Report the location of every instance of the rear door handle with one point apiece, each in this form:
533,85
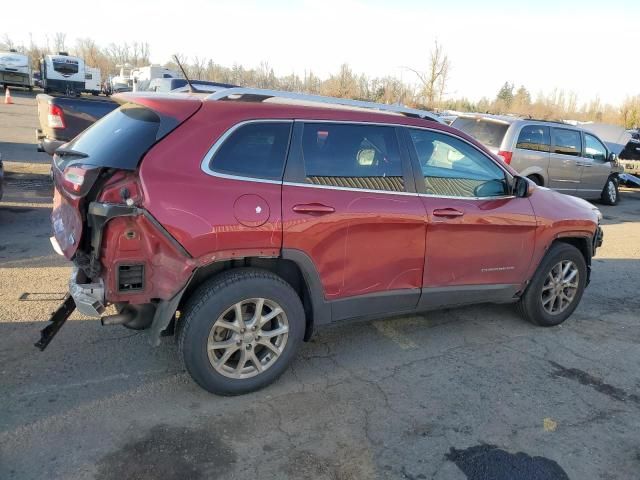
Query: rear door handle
447,212
313,209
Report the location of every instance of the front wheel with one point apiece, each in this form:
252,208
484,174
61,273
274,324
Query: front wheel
556,288
240,331
610,194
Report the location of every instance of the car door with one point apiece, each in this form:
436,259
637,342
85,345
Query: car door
480,239
595,167
565,164
349,205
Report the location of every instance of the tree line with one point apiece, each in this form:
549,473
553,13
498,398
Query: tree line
429,91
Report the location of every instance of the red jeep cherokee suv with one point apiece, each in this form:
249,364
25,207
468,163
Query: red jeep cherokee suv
244,219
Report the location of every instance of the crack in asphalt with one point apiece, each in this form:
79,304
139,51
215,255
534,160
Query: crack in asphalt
585,378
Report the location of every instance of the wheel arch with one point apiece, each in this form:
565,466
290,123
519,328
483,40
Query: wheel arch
293,266
535,171
583,245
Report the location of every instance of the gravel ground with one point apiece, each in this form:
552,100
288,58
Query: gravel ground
472,393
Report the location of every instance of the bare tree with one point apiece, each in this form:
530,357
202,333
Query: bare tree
434,80
59,41
7,42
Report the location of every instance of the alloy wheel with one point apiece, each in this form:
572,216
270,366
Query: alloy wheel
560,287
248,338
611,191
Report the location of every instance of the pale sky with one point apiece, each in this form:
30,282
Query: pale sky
586,46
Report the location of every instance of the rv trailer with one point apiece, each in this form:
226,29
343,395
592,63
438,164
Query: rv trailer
63,73
15,70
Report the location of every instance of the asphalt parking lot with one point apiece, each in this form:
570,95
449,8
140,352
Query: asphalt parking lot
471,393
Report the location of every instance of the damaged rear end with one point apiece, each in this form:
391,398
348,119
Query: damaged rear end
121,254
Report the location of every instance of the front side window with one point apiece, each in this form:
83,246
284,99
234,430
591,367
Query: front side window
352,156
534,137
567,142
453,168
256,150
593,148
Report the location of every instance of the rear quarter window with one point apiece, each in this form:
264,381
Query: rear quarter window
254,150
487,132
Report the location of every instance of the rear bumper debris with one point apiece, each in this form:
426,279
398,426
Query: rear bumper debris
88,297
56,322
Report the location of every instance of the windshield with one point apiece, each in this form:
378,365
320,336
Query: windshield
487,132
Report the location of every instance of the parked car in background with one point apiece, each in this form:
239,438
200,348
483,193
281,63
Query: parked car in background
62,118
259,215
551,154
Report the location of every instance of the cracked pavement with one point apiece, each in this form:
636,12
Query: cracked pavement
382,399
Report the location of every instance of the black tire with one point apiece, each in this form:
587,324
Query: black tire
535,179
530,304
210,301
610,194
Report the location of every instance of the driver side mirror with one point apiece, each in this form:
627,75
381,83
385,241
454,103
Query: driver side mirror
521,187
613,158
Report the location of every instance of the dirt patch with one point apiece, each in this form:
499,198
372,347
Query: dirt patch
488,462
169,453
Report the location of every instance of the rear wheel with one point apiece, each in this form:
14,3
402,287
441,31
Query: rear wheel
556,288
610,194
535,179
241,330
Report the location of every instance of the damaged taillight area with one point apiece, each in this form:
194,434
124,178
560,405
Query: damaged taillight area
122,187
66,221
140,263
78,179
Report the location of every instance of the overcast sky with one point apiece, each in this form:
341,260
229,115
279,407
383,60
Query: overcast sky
589,47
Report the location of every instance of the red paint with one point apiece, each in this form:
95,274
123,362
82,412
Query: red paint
486,241
360,242
372,242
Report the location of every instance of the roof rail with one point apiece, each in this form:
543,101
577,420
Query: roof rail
258,95
542,120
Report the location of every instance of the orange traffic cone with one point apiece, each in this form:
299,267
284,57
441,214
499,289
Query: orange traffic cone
7,97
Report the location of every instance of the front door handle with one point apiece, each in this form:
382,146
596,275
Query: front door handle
447,212
313,209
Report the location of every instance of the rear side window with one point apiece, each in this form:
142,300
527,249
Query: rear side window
256,150
352,156
487,132
121,138
534,137
567,142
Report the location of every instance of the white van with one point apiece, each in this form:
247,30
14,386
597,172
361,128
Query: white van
15,70
63,74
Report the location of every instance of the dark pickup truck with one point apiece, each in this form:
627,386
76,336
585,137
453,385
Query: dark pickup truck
63,118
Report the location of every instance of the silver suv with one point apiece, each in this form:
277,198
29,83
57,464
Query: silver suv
552,154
